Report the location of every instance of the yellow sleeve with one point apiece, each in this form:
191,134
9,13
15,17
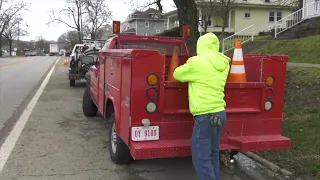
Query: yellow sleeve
186,72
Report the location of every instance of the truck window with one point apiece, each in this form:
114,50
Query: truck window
163,48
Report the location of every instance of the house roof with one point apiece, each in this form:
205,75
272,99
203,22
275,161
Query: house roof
143,14
248,3
131,30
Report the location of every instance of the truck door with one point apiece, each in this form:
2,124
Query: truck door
102,89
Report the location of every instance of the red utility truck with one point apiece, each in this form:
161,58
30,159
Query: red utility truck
149,115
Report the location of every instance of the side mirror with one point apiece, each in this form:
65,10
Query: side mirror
87,60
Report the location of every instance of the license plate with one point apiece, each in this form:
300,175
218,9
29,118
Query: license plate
145,133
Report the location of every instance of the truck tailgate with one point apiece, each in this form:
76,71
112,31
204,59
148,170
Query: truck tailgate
240,98
244,97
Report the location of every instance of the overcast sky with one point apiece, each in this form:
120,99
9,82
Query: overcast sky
38,15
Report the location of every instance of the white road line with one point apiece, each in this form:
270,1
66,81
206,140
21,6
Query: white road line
12,139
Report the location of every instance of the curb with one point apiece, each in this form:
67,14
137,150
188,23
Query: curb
268,164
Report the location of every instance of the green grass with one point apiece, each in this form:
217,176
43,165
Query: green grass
304,50
301,123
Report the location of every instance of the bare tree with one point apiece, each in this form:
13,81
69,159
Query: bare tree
7,13
97,16
187,15
208,9
13,31
226,6
74,11
69,38
41,44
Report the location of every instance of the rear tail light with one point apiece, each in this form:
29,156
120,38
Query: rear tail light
270,80
152,79
152,92
268,105
269,92
151,107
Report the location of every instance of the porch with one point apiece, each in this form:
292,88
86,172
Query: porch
214,21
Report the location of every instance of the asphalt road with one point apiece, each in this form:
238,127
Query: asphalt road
18,77
59,143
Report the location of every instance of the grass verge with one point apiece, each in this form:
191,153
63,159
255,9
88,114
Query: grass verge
301,124
304,50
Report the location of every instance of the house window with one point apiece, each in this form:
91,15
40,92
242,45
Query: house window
275,16
146,23
145,34
165,24
128,27
158,30
247,15
176,23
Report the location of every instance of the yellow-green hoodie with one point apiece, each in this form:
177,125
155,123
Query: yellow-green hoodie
207,74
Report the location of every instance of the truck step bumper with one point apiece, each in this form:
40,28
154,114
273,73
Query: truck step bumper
260,143
182,148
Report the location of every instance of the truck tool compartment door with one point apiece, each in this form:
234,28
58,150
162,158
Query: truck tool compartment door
93,72
125,98
101,84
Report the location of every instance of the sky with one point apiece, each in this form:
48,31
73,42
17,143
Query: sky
37,16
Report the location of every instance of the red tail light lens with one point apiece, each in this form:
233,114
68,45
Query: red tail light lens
152,93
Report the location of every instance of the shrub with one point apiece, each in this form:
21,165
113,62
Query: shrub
174,32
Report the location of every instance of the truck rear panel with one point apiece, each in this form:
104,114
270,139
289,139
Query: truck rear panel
250,127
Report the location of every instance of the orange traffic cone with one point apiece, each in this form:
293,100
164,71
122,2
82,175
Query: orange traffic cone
66,62
173,65
237,71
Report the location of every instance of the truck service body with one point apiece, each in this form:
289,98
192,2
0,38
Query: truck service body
150,115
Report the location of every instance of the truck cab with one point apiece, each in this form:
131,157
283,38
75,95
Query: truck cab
78,68
149,115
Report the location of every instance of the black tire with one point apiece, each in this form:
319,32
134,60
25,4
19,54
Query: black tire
120,154
72,82
88,107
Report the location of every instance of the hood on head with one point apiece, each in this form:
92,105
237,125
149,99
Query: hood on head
208,42
208,45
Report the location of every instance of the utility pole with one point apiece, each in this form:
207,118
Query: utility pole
18,35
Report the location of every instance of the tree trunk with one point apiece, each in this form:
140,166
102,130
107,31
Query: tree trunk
225,20
188,15
1,48
10,47
93,35
79,35
300,4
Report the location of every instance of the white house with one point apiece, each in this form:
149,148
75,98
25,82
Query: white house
261,13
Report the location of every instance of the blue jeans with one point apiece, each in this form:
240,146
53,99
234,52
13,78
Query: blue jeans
205,144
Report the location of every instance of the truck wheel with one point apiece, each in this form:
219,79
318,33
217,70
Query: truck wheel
72,82
119,151
88,107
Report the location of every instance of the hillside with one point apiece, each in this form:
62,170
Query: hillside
304,50
301,124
